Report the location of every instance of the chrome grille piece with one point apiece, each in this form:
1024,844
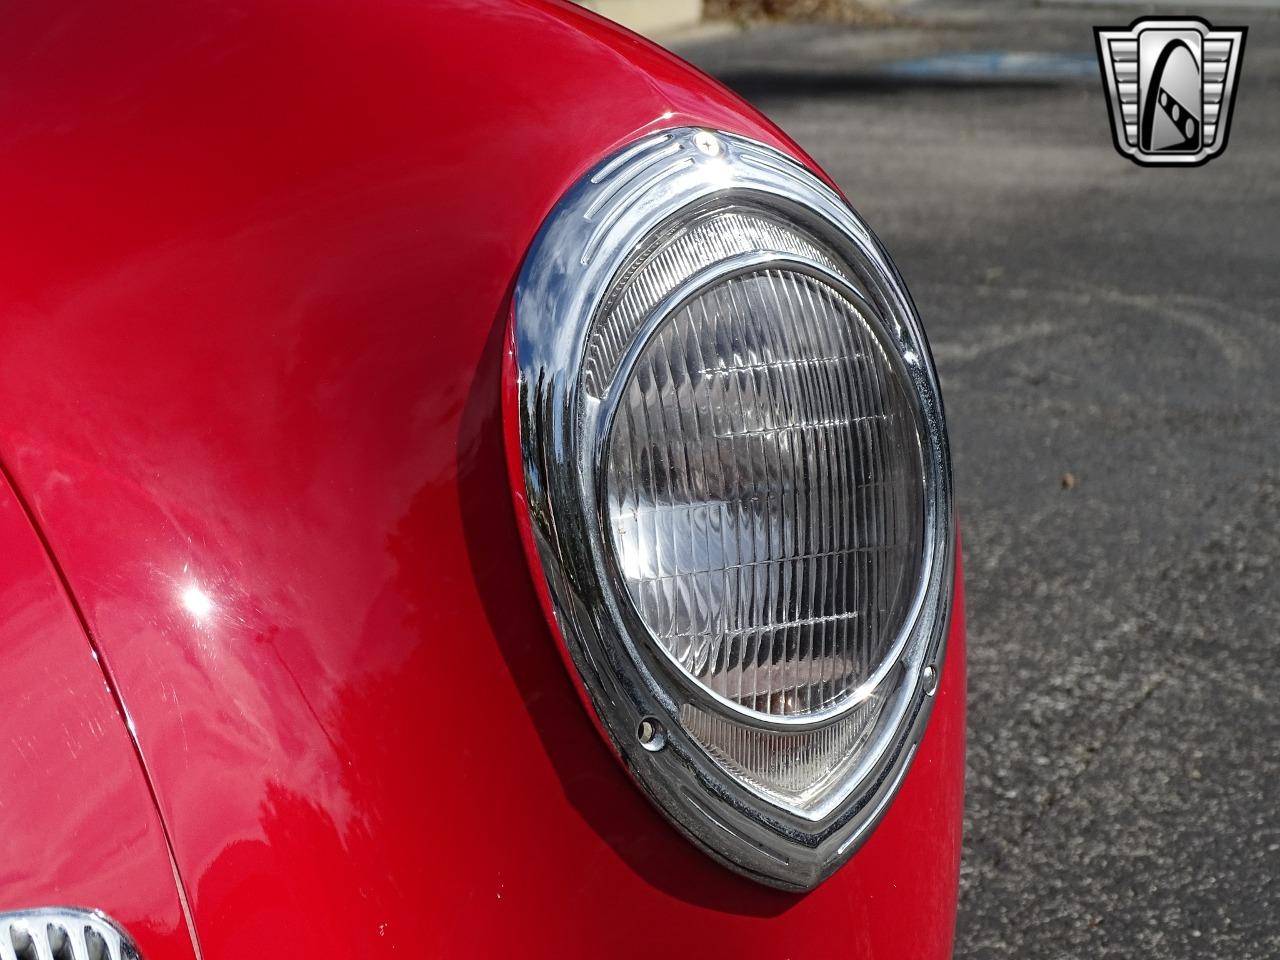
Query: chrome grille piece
63,933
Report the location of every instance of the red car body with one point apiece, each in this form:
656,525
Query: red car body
278,680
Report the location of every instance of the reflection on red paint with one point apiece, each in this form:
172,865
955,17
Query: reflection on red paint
77,825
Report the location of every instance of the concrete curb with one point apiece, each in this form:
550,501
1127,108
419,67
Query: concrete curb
649,17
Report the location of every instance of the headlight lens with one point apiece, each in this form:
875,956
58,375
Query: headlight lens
738,489
765,492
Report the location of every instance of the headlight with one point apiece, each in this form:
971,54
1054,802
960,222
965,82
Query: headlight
737,479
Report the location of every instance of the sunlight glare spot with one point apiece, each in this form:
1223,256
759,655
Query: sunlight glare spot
197,602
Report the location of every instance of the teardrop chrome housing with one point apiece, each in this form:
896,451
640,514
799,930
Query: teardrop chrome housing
771,728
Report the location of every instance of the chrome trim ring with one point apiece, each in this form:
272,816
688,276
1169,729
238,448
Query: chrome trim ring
582,249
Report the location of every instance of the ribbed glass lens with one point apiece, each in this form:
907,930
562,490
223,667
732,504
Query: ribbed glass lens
765,493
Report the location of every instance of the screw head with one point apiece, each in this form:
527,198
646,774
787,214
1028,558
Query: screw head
707,143
930,680
651,735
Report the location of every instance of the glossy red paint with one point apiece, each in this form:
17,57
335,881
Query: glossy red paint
77,824
255,284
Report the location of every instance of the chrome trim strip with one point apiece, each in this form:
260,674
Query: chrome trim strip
642,146
572,264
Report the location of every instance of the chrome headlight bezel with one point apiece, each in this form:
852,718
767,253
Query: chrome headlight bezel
635,691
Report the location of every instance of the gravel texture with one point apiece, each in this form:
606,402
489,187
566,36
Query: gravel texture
793,11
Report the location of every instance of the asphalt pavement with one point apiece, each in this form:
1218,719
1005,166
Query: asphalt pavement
1108,339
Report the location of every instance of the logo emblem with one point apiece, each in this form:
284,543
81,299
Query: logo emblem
1171,83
